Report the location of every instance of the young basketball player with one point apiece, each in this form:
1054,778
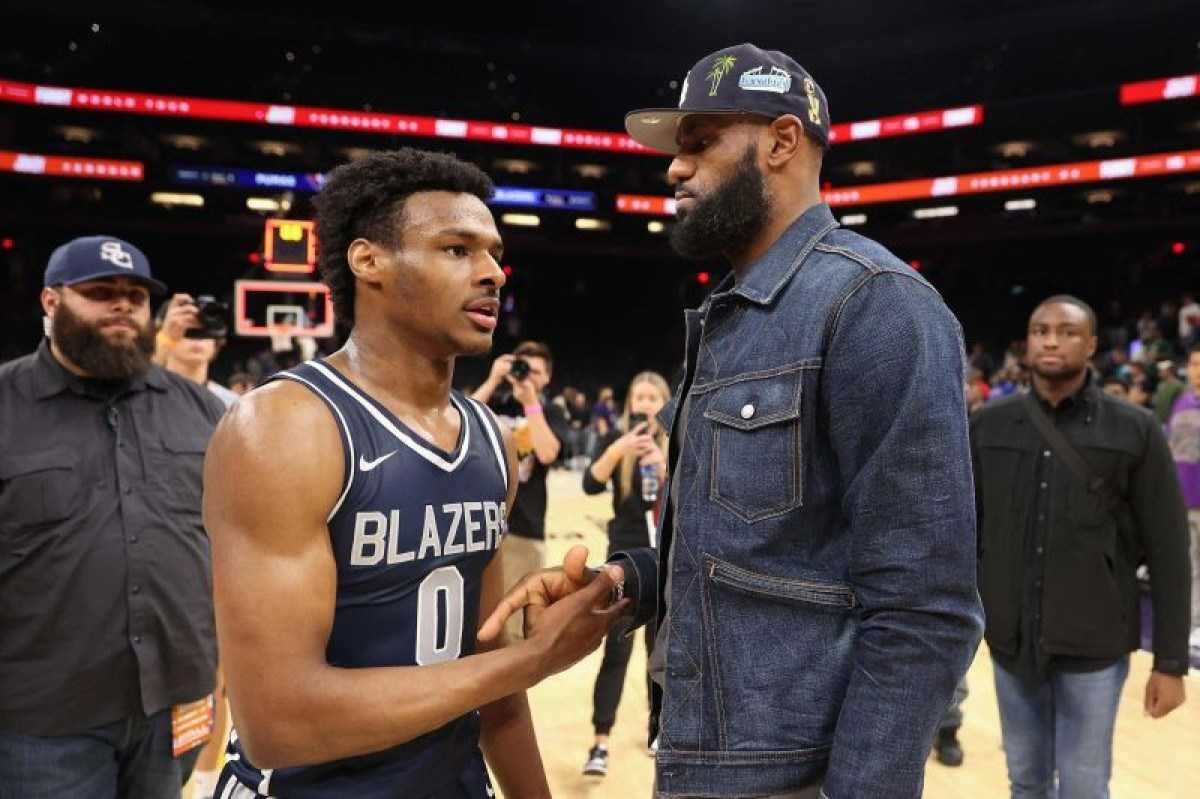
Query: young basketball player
355,506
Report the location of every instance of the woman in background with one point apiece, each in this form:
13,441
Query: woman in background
633,459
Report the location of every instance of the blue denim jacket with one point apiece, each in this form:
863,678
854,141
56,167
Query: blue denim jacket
823,601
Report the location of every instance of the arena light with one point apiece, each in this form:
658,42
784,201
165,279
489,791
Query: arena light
175,198
71,167
590,223
654,226
935,212
263,204
521,220
854,219
286,115
1160,89
1025,204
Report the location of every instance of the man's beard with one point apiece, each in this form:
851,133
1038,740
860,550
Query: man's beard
87,348
729,218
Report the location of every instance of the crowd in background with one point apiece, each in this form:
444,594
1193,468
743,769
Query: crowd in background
1140,357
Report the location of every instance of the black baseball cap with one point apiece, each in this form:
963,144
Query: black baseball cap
95,257
743,79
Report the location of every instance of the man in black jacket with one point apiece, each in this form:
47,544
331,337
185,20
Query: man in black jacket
1065,517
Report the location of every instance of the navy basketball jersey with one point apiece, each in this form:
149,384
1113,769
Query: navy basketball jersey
412,532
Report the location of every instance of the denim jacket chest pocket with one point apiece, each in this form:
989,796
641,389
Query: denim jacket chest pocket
755,423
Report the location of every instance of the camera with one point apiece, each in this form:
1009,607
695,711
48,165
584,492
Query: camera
213,316
520,369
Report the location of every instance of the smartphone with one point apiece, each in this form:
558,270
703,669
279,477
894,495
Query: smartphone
635,419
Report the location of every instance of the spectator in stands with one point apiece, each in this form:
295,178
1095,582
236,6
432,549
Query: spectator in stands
1007,381
981,361
1071,484
604,413
620,456
1189,321
1183,433
1168,323
105,595
1014,356
1167,390
1116,386
1155,348
580,414
539,430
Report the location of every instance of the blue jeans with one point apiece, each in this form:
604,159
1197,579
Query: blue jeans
1062,727
129,759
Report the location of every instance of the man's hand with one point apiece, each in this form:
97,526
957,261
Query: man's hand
537,591
573,626
1164,693
500,369
182,313
523,391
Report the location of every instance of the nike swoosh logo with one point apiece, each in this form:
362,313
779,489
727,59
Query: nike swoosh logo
365,465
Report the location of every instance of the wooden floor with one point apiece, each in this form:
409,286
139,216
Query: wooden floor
1153,759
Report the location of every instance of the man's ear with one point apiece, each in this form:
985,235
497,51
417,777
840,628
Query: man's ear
364,258
51,299
785,139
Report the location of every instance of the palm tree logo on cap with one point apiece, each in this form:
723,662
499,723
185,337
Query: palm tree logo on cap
720,68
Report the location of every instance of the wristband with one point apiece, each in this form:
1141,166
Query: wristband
533,410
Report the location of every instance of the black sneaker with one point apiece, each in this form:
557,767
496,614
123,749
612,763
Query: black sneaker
597,762
947,749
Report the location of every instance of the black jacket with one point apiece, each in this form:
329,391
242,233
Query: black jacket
1035,514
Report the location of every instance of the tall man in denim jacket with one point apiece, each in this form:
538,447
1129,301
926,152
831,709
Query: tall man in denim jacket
816,603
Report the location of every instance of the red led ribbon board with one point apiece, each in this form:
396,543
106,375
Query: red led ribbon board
1142,166
314,117
1080,172
71,167
907,124
429,127
1160,90
290,245
262,307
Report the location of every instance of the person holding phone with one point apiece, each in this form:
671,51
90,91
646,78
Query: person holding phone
632,458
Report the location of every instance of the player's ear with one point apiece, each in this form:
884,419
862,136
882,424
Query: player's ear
364,259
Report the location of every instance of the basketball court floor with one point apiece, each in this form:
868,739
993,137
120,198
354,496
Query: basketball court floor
1152,759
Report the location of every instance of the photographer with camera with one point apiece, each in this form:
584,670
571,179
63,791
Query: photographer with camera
515,388
108,655
190,335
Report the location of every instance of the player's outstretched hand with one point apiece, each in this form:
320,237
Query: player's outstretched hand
538,590
575,625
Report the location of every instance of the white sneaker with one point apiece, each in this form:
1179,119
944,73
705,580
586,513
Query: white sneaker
597,762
